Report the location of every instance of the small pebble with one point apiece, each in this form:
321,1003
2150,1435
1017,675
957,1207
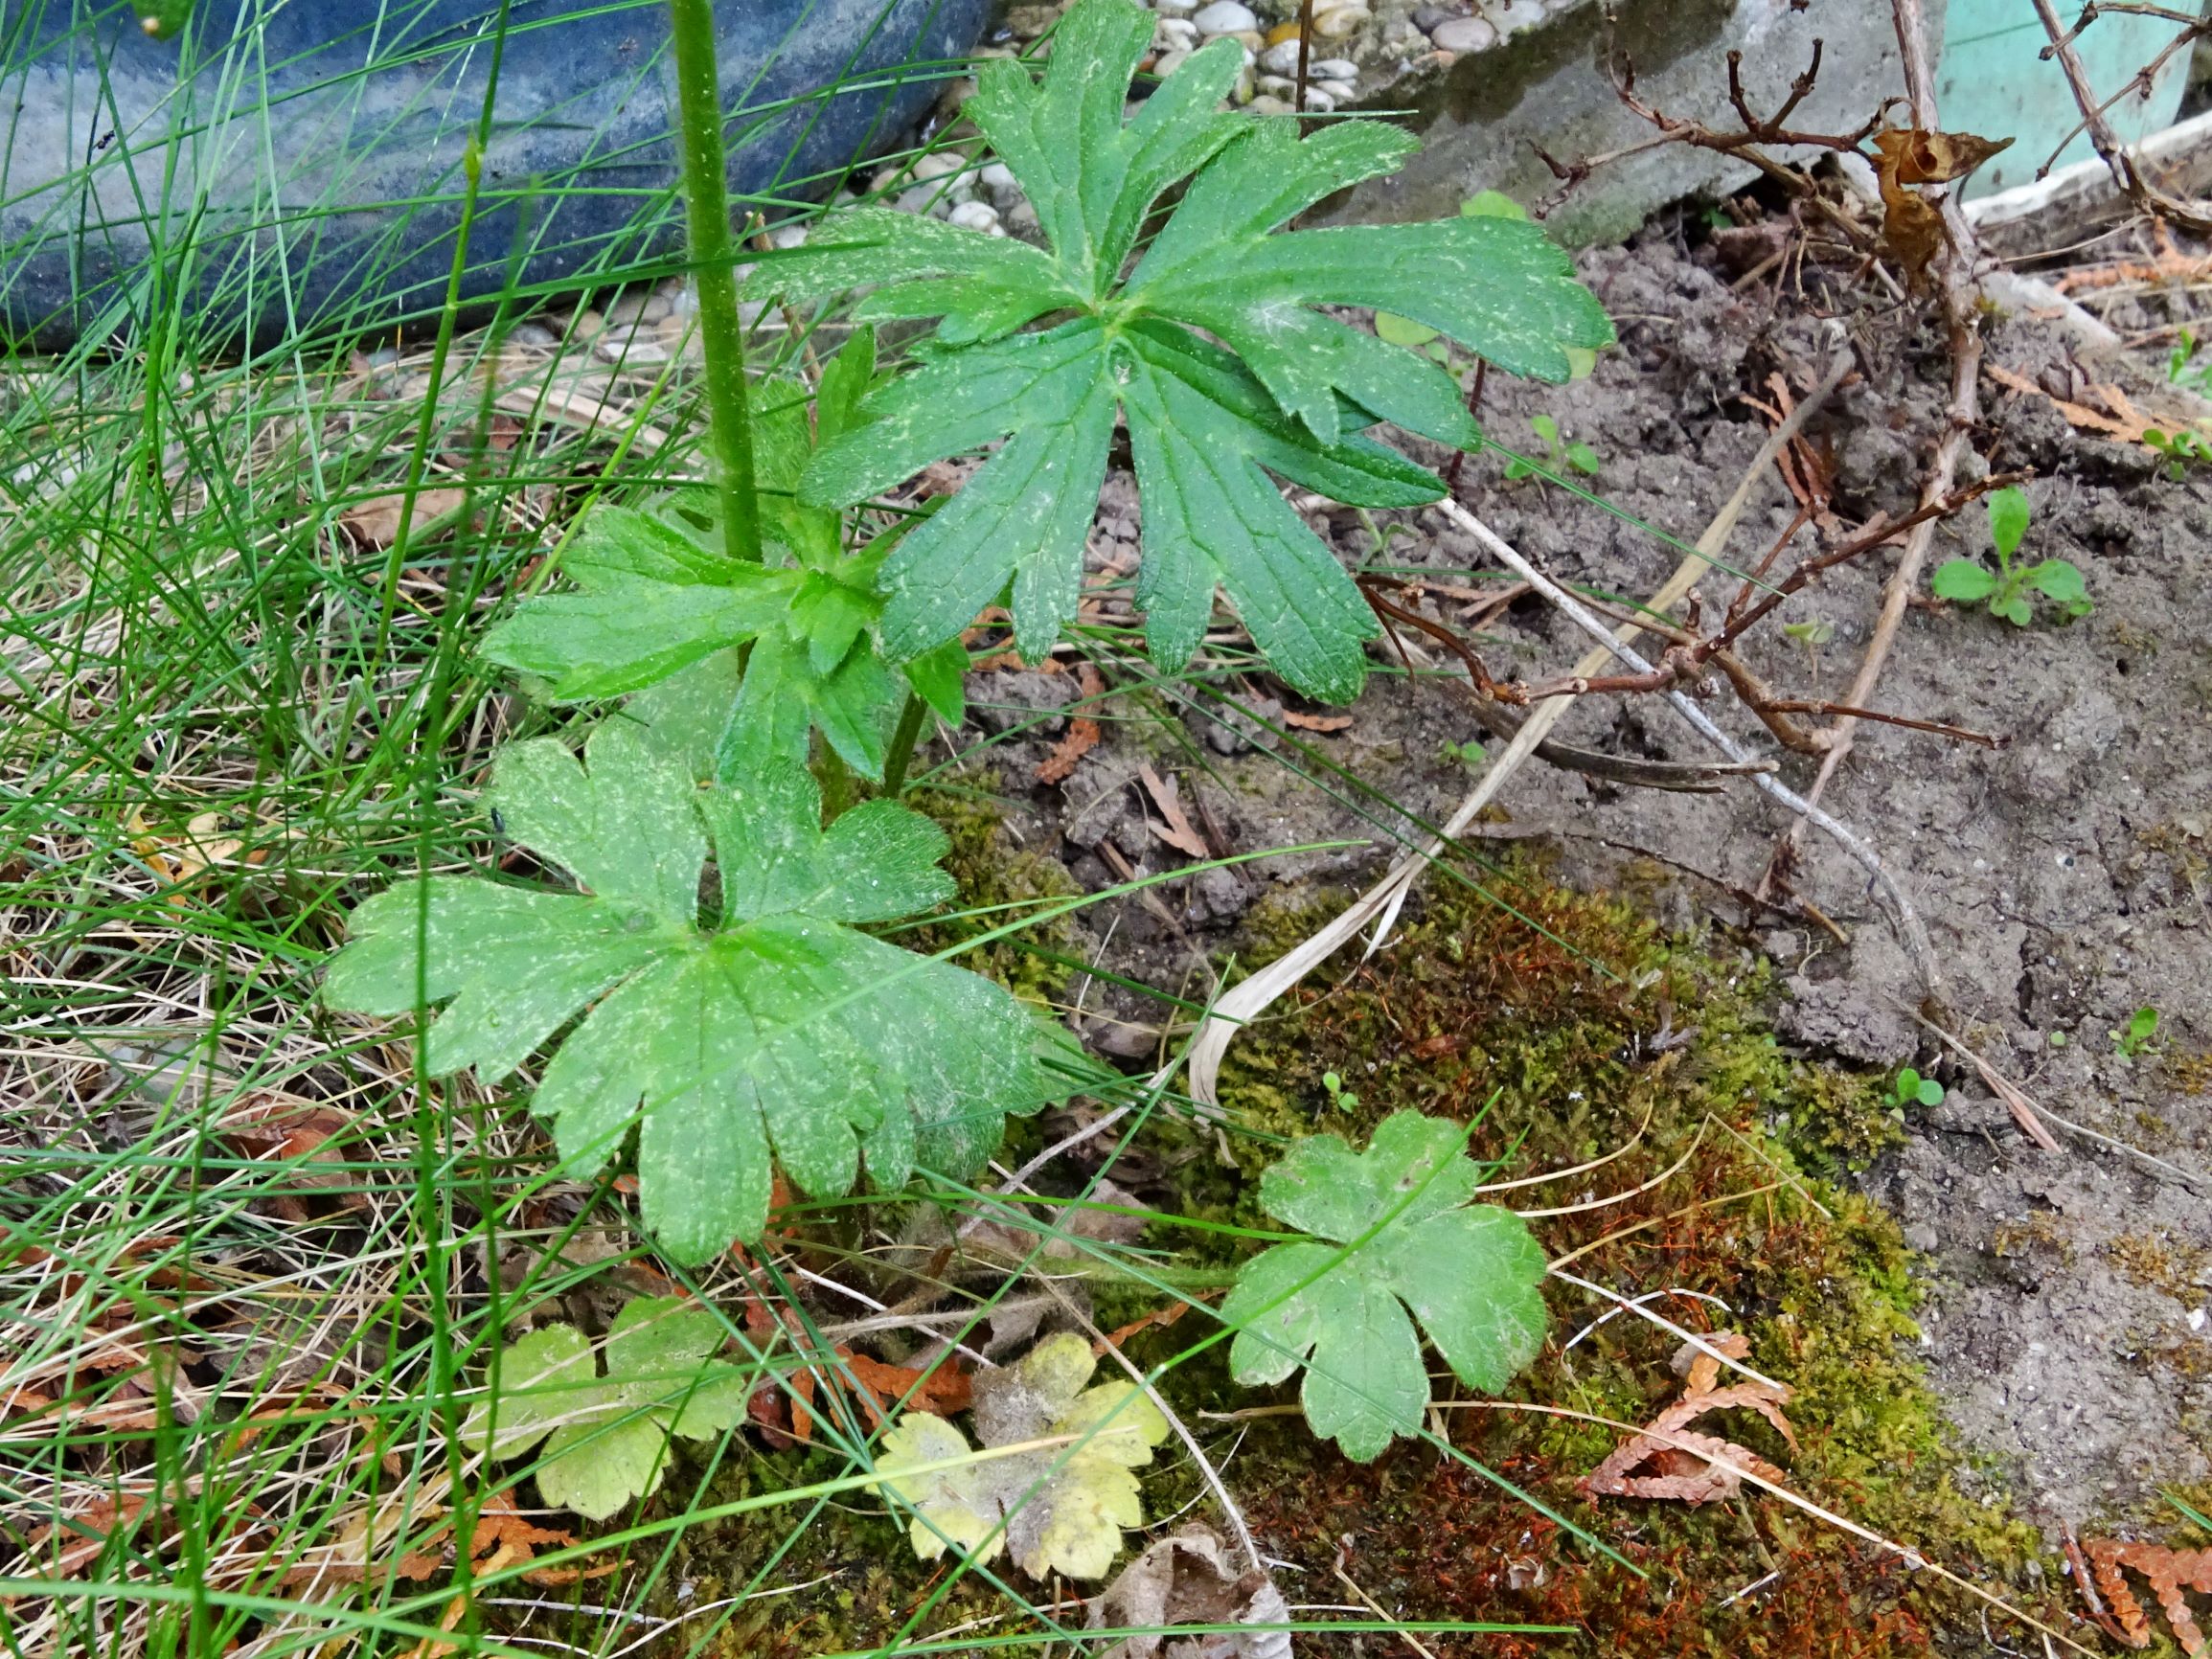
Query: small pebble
1339,90
1318,101
1174,7
1251,41
918,198
1463,35
1426,18
1268,103
937,164
1177,33
1339,22
1168,62
656,310
1281,58
1275,85
1283,32
974,215
1225,18
1519,15
626,310
633,352
998,178
1335,69
787,236
532,336
588,324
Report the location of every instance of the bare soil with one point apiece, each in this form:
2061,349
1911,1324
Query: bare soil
2064,877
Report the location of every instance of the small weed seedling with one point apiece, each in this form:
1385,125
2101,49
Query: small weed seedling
2135,1040
2179,448
1561,454
1339,1097
1968,582
1911,1089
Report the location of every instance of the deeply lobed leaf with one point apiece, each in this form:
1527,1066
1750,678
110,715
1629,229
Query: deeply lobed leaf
1292,395
1060,1509
605,1437
1403,1244
772,1033
657,597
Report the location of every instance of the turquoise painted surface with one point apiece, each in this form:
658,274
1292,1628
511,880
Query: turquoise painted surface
1992,83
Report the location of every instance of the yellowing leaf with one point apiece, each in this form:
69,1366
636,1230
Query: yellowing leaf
1060,1509
606,1437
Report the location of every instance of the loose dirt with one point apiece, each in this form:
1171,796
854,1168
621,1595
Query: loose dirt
2064,877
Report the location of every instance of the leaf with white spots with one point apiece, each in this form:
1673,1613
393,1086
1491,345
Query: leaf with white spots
1395,1239
773,1033
1297,388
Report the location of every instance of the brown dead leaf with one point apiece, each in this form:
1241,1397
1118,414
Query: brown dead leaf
1667,1460
2171,1572
878,1387
1305,722
1176,829
1190,1578
1911,223
83,1535
213,840
1917,157
1083,733
374,523
1159,1317
298,1132
2126,423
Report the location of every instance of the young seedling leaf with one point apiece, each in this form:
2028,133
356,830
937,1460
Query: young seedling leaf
1395,1239
2008,519
1214,350
1963,580
2057,578
1060,1509
776,1027
656,595
605,1437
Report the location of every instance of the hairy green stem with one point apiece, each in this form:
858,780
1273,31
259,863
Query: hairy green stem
836,778
714,258
901,754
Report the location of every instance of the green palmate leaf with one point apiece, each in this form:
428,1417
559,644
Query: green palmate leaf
774,1031
1213,342
1060,1509
605,1437
657,595
1402,1243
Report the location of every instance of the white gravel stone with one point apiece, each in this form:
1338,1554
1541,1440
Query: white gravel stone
974,215
787,237
1168,62
1339,90
1177,33
1281,58
937,164
1340,21
1333,68
998,178
1268,103
1174,7
1225,18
